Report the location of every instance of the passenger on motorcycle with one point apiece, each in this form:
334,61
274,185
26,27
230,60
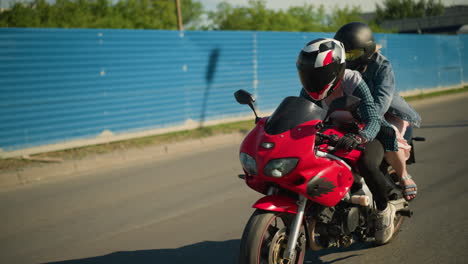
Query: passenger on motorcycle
322,70
362,55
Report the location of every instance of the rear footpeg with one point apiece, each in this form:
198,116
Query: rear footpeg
405,212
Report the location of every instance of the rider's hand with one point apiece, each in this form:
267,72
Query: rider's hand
349,142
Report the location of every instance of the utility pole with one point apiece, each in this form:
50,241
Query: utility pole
179,16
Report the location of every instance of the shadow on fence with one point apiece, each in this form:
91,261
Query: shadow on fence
210,73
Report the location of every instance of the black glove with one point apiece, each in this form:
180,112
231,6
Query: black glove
348,142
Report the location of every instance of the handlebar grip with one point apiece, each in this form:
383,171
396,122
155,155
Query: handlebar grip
329,137
360,148
323,135
333,139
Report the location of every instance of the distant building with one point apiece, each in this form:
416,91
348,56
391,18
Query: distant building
453,21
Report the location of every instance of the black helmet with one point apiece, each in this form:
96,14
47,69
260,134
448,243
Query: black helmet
321,65
359,44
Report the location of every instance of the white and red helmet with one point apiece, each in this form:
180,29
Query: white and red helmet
321,65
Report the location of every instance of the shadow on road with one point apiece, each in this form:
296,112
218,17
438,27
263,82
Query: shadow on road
313,257
207,252
204,252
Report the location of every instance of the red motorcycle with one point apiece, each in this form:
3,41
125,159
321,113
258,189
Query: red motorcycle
314,197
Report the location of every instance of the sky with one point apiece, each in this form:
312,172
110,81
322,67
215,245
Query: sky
365,5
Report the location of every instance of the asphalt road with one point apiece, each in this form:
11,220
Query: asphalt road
193,209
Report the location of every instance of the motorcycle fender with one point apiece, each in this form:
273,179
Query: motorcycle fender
277,203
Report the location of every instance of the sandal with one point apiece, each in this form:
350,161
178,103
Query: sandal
407,188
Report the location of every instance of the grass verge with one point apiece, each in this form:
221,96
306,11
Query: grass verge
241,126
82,152
435,94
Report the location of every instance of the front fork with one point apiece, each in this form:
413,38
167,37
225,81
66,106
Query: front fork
295,229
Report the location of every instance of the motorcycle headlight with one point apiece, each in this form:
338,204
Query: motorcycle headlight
280,167
248,163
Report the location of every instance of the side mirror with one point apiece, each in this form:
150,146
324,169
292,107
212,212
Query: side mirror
244,97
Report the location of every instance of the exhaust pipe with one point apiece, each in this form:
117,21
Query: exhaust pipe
313,244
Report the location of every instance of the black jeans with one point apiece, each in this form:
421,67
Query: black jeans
369,168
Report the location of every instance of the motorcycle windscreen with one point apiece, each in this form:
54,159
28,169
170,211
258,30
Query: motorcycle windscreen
292,112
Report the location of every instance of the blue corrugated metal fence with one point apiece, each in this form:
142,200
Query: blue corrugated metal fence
59,85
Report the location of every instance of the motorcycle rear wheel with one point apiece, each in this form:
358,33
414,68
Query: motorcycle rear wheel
265,238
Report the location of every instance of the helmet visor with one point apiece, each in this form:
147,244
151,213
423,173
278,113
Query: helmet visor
319,82
354,54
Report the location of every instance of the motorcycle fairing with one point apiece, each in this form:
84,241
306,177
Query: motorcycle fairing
335,179
292,112
277,203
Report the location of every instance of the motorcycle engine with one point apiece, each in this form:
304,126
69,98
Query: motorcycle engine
335,225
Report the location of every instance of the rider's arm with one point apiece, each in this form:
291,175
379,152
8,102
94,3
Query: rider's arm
384,88
368,112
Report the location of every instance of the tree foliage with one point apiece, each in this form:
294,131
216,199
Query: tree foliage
161,14
257,17
341,16
305,18
128,14
398,9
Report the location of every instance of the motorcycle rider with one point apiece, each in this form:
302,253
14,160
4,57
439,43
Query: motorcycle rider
322,71
362,55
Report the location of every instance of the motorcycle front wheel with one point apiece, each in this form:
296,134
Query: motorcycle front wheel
265,239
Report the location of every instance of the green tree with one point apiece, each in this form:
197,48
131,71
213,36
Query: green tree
136,14
161,14
253,17
341,16
257,17
398,9
192,13
305,18
20,15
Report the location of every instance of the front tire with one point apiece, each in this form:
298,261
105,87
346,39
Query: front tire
265,238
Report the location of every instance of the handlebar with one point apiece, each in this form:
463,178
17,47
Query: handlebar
360,148
333,139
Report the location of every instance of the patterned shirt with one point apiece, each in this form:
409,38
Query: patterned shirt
380,79
375,127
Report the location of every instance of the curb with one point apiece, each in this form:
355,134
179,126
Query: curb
115,160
